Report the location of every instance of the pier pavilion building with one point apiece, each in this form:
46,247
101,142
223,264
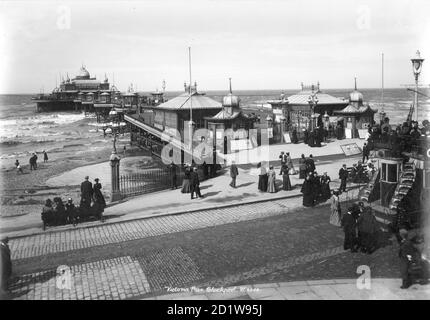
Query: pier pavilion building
157,125
306,109
357,116
229,128
79,93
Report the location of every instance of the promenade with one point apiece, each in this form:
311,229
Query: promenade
333,289
217,192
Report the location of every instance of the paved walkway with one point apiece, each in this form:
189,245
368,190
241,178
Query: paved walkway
336,289
217,194
271,152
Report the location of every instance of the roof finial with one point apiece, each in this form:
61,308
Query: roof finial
229,79
355,83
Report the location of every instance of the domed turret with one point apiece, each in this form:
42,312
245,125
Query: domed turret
356,97
83,73
230,100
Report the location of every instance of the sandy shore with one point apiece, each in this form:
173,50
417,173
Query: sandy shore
23,194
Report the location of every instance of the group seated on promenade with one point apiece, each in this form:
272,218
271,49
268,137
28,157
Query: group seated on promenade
56,213
361,172
408,137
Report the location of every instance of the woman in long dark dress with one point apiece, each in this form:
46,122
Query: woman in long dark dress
262,178
325,187
186,182
302,167
98,195
286,177
294,138
307,190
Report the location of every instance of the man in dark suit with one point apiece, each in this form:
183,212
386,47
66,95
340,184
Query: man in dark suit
173,169
195,184
406,252
234,172
349,226
343,175
366,152
86,192
310,164
6,267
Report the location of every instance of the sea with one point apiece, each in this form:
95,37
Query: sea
23,130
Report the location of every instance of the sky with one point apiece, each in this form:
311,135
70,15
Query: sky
268,44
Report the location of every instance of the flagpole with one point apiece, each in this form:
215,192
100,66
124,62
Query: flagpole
191,104
382,81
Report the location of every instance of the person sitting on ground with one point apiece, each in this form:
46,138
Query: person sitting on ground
48,212
71,212
60,211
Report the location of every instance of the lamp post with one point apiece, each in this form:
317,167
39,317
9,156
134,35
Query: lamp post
382,115
417,64
313,101
283,119
269,121
326,120
113,114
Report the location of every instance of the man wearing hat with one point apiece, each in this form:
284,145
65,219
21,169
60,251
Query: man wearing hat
5,265
406,252
86,193
98,195
343,175
71,211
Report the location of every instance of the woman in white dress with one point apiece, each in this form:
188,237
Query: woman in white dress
335,216
271,186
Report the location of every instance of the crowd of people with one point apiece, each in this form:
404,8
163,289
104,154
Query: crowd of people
315,189
403,138
92,203
32,162
191,182
360,227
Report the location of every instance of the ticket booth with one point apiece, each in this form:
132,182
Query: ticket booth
390,171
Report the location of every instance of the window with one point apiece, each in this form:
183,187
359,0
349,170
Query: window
392,173
384,172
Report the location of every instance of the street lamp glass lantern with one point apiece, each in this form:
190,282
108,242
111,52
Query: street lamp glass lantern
382,115
417,64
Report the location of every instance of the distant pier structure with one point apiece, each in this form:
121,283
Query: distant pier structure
80,94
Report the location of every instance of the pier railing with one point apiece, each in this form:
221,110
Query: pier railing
148,181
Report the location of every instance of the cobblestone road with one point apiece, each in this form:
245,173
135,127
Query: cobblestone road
274,241
54,242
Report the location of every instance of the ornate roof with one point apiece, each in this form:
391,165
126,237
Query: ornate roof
182,102
350,109
230,100
301,98
356,96
83,73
